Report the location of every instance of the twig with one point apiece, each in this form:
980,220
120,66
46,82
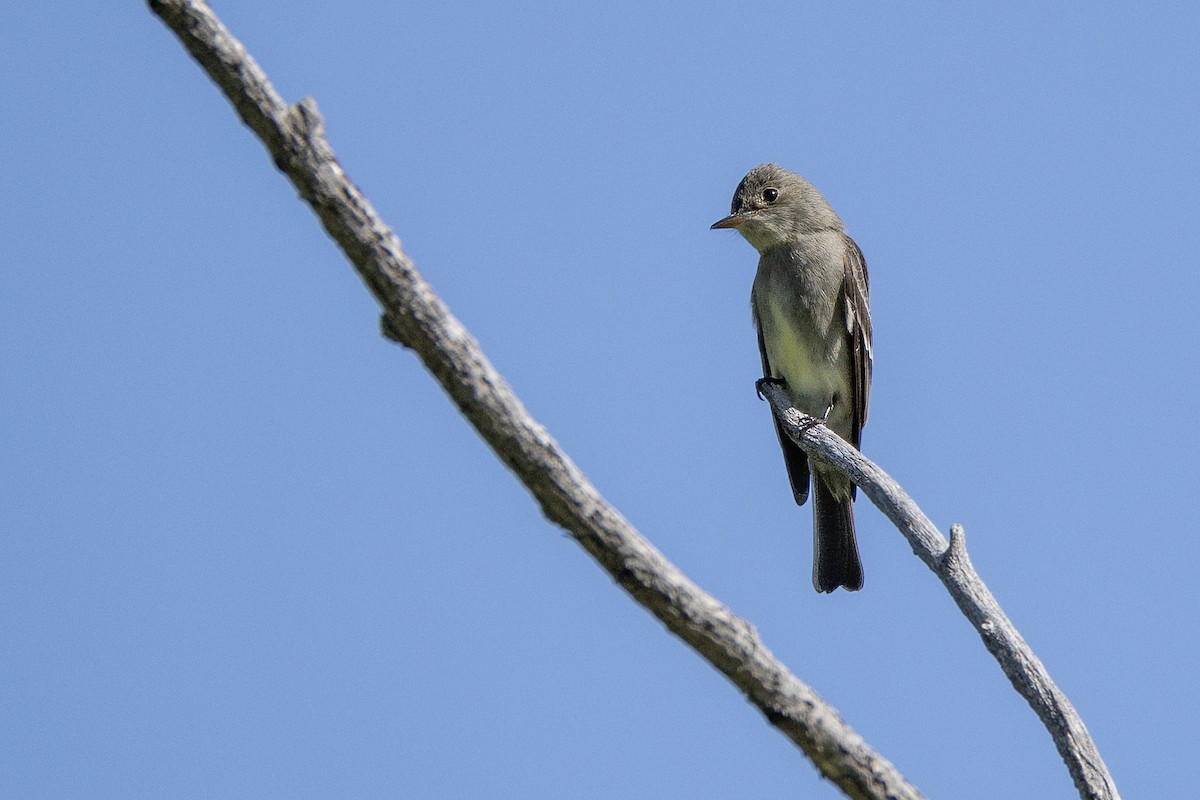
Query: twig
950,563
414,316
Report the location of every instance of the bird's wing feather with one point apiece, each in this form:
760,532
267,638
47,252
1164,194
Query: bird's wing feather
793,457
858,320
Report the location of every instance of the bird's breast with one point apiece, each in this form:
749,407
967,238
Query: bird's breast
805,344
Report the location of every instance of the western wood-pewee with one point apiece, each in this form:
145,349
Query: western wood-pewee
810,306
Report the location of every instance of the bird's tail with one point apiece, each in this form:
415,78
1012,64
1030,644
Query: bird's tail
835,550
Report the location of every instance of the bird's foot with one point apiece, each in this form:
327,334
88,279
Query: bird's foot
815,421
768,380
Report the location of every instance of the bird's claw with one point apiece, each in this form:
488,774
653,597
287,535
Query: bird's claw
768,380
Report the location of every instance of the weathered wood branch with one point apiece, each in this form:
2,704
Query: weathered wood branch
414,316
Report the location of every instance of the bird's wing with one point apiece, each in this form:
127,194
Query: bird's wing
858,322
793,457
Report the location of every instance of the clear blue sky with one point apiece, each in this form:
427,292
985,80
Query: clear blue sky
248,549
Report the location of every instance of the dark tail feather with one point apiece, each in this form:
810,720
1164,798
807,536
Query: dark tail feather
835,550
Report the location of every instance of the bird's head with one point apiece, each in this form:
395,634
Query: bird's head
772,206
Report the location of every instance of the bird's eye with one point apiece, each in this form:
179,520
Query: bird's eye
770,195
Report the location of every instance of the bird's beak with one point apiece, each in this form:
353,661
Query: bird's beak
732,221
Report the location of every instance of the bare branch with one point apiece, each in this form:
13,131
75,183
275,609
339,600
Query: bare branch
414,316
950,563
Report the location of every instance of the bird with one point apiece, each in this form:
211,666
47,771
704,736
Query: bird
810,302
